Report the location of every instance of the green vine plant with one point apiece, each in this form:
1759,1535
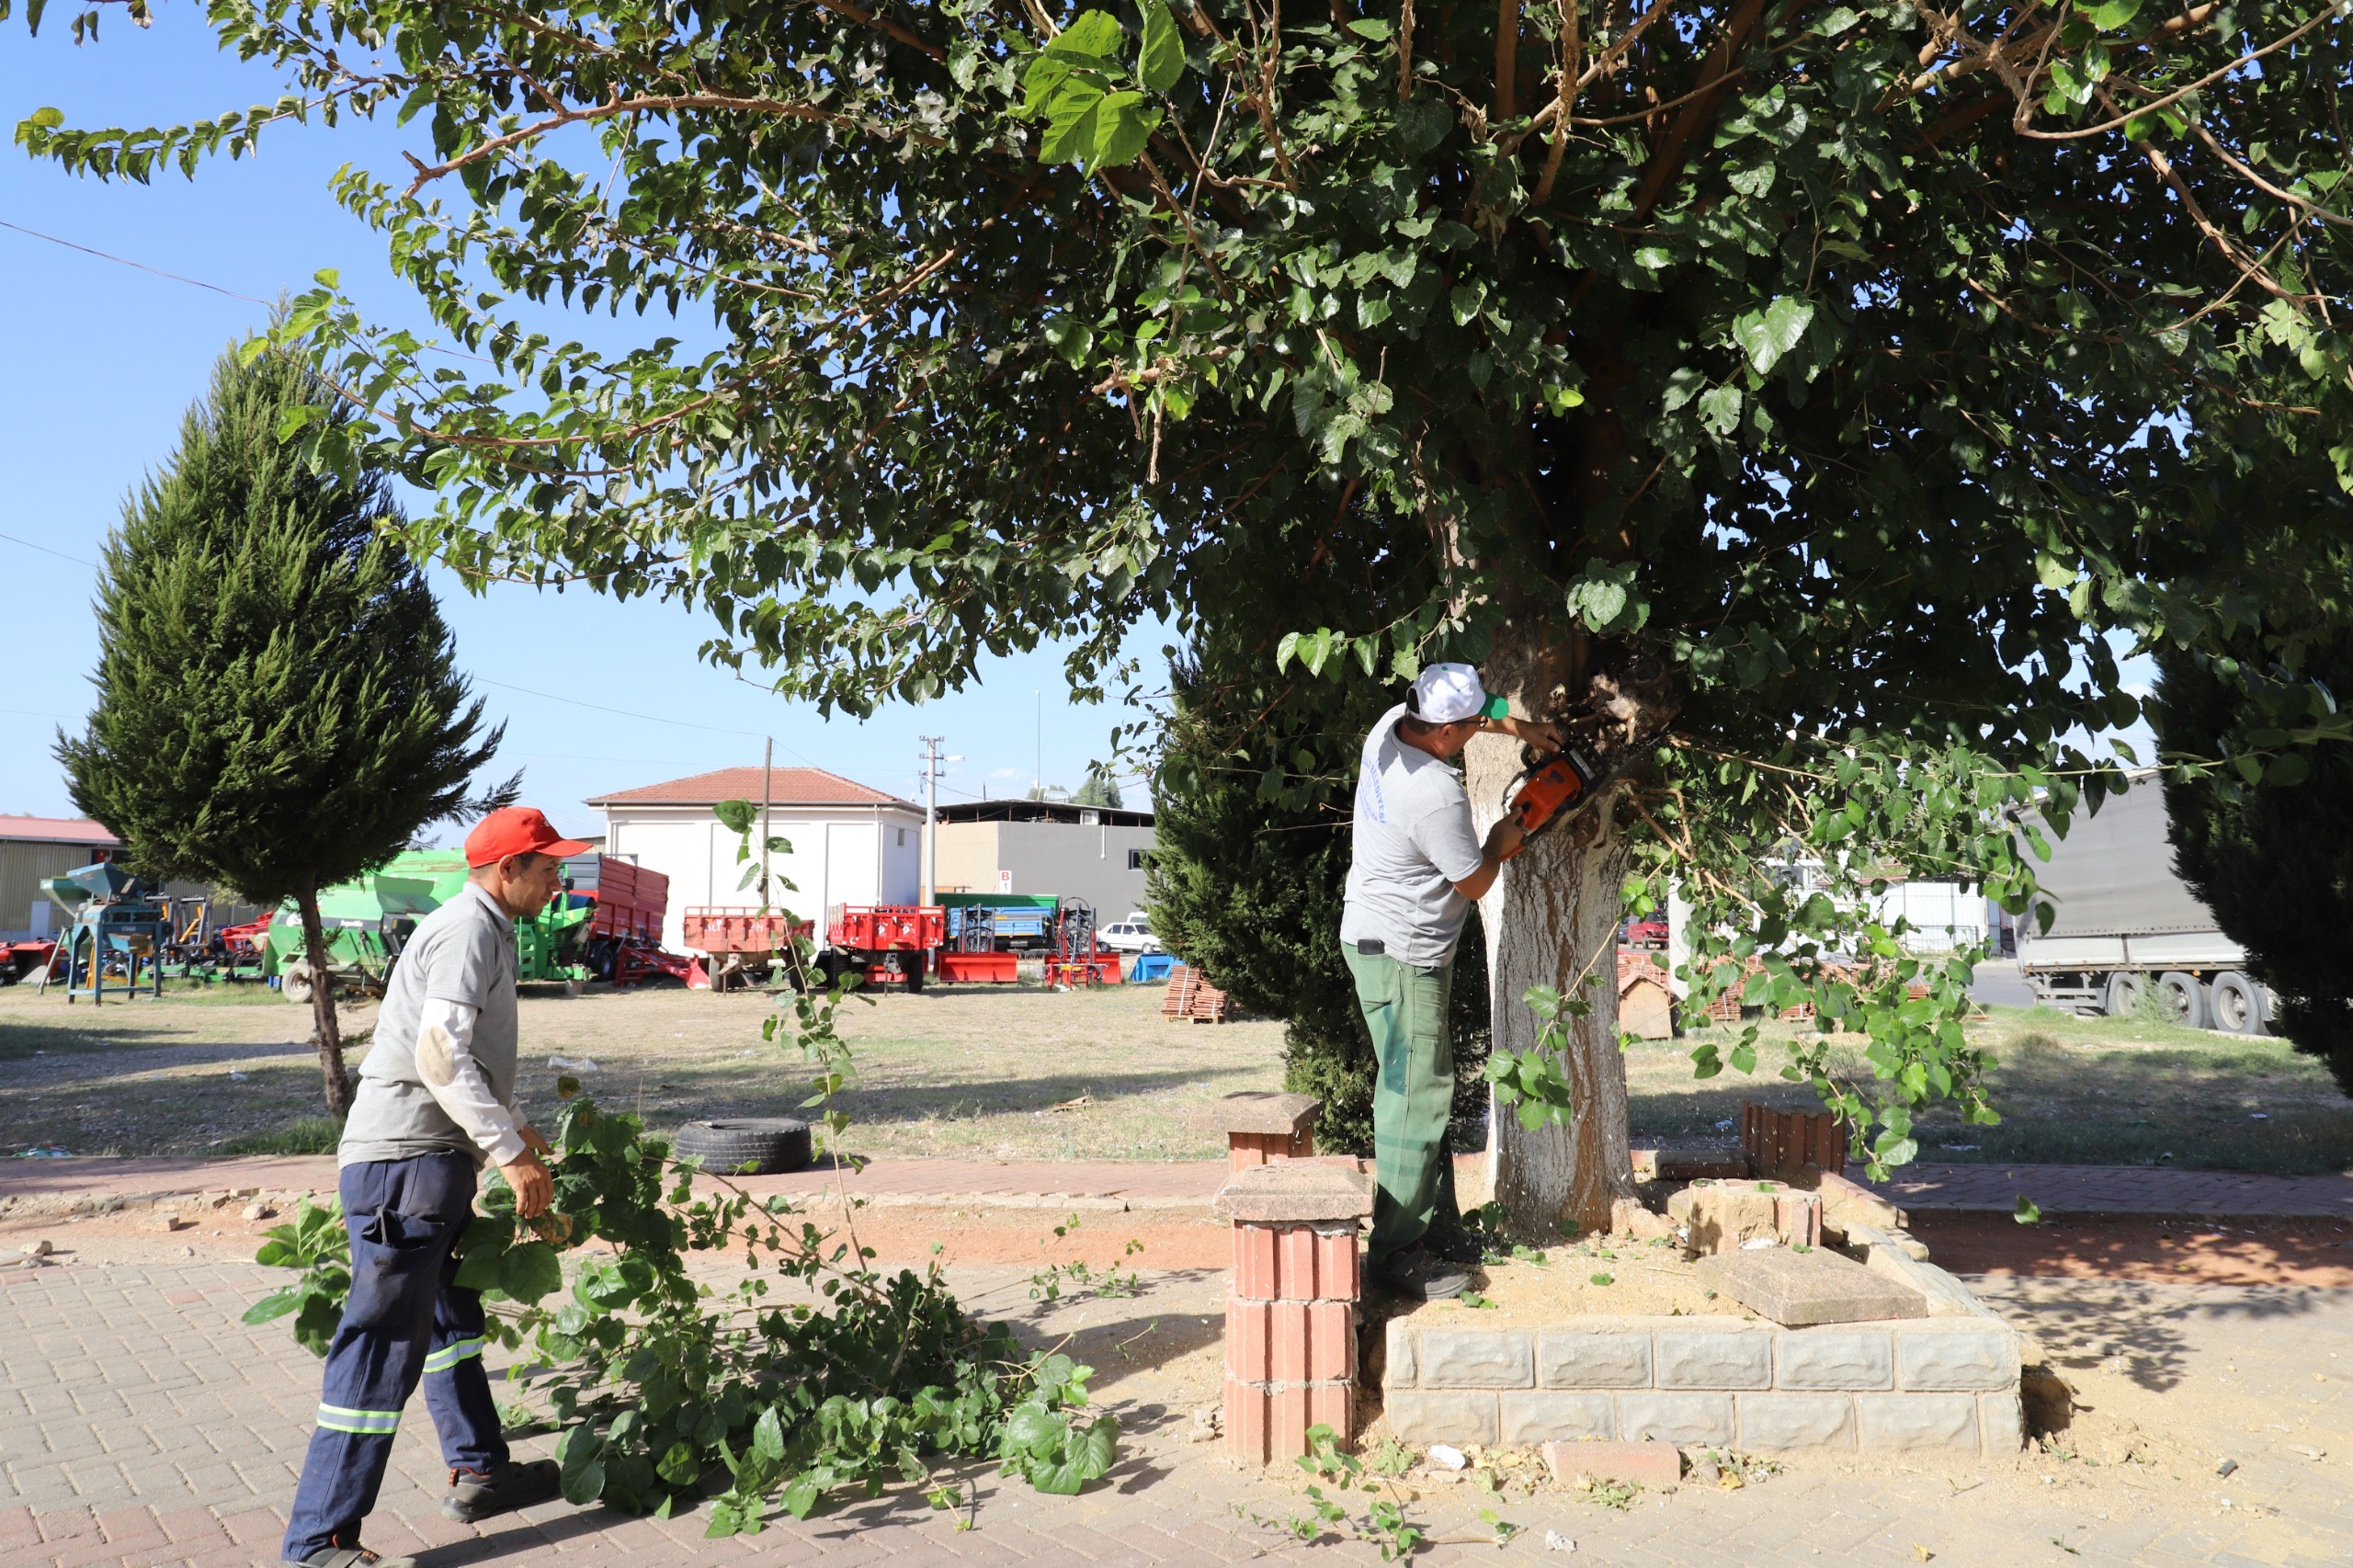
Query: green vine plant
669,1389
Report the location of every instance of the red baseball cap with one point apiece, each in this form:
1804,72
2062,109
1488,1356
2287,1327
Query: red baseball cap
516,830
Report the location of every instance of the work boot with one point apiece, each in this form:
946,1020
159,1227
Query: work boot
1419,1274
348,1557
1454,1245
512,1485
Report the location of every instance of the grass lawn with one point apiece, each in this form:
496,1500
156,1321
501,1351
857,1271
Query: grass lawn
1018,1074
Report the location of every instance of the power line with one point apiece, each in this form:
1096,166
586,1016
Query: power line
126,261
29,544
625,713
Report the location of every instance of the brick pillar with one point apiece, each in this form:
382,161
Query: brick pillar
1791,1145
1291,1341
1261,1128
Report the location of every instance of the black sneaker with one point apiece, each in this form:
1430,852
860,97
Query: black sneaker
515,1485
1454,1245
1419,1276
348,1557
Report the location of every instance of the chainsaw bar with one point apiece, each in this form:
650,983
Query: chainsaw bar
1559,785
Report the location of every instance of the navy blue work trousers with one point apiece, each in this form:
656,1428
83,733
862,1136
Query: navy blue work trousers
405,1320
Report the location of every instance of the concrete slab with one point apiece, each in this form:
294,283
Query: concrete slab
1799,1289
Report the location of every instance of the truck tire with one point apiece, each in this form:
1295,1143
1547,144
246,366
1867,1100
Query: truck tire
2124,990
2185,997
914,977
294,981
2236,1004
747,1145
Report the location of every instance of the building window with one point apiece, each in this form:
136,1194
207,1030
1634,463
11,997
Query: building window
903,838
1138,861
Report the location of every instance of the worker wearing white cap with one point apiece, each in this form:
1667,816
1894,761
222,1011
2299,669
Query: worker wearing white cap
1415,865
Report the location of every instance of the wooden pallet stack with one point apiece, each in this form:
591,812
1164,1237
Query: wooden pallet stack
1192,998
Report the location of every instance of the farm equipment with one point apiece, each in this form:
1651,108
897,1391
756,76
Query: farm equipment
20,960
117,925
887,944
1076,960
971,952
1014,921
370,920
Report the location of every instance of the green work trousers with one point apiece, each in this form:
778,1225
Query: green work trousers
1412,1096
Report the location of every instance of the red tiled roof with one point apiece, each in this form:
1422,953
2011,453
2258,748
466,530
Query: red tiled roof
55,830
791,787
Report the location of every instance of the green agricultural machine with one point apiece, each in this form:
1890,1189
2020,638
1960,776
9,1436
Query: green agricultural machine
369,921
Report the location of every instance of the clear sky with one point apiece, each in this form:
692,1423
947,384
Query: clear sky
100,360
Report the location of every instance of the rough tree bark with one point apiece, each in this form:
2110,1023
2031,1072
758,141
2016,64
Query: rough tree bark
1552,919
325,1032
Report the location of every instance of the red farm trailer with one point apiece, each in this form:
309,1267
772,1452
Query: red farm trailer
888,944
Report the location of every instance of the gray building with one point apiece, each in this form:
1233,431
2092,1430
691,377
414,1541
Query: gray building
1097,853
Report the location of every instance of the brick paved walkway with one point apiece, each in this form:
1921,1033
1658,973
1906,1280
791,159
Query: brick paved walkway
1188,1184
142,1425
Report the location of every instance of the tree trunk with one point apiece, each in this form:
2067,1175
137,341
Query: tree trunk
1552,919
325,1033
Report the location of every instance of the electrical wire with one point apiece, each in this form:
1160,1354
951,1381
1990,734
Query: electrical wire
29,544
126,261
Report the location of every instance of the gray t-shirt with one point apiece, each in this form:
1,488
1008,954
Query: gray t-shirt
1411,843
464,952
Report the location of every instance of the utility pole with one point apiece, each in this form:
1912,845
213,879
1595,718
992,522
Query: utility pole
931,761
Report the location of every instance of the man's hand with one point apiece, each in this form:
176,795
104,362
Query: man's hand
1543,734
536,1144
534,1188
1505,836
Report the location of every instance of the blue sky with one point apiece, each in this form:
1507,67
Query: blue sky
101,359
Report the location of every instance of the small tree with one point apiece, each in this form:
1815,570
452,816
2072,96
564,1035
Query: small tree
1100,790
2271,856
278,710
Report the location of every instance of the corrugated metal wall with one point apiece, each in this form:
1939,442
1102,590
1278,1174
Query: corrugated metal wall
26,912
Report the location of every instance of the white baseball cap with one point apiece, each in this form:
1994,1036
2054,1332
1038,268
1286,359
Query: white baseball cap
1450,694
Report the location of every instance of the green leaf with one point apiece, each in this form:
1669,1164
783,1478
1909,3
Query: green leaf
737,817
2027,1214
1766,336
2111,15
1095,38
277,1304
1162,60
1071,132
1122,125
531,1271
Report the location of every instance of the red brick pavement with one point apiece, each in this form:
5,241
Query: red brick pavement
1188,1184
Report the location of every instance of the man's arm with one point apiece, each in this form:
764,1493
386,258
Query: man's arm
1502,839
1543,736
445,1060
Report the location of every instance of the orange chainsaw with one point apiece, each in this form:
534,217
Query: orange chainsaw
1558,784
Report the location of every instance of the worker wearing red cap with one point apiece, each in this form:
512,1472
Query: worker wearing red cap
436,1103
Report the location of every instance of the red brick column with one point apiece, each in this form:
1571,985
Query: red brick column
1291,1341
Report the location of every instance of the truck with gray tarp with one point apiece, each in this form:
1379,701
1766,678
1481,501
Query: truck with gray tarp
2124,924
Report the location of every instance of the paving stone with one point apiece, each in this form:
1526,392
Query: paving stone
1399,1366
1885,1421
1957,1358
1849,1359
1798,1289
1545,1415
1715,1359
1443,1415
1489,1359
1778,1421
1294,1190
1572,1359
1653,1464
1682,1418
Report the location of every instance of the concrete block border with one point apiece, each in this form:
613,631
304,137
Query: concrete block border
1948,1383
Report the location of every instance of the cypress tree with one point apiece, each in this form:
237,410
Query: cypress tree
277,708
2272,857
1248,886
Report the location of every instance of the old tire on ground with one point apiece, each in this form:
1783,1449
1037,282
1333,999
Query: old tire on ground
2237,1005
294,981
747,1145
2183,996
2124,992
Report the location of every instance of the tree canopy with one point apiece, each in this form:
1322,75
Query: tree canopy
1857,371
277,706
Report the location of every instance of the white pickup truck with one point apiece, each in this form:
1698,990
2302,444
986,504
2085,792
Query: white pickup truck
2125,923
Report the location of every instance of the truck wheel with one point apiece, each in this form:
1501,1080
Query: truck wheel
2183,996
2238,1005
294,981
2124,989
915,979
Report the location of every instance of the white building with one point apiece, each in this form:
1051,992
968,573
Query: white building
850,844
